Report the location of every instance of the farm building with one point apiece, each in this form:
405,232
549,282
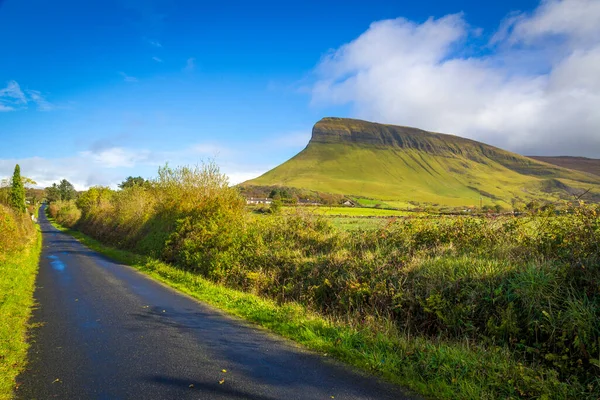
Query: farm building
258,200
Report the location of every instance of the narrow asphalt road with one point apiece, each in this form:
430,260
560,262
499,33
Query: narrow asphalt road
109,332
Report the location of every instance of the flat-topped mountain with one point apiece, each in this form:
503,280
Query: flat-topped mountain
400,164
346,130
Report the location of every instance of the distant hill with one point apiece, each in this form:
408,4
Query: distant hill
589,165
399,164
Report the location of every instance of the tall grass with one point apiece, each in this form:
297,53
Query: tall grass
20,246
16,231
525,286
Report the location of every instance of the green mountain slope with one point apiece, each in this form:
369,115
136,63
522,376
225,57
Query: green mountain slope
589,165
401,164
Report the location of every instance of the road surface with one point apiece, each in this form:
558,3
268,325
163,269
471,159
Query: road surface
109,332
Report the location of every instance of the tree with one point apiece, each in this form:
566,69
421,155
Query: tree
52,193
6,187
34,195
17,191
532,205
63,191
67,190
132,181
275,207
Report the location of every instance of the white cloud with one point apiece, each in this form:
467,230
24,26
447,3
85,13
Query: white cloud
406,73
576,21
155,43
13,98
158,60
127,78
110,166
116,157
45,171
106,164
190,64
42,103
239,177
12,93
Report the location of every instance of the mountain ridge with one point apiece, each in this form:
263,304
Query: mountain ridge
583,164
389,162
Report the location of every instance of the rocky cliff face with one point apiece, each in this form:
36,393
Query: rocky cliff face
336,130
345,130
333,130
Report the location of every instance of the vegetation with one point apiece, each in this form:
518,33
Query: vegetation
583,164
132,181
358,211
357,223
17,191
290,195
398,164
63,191
453,306
20,246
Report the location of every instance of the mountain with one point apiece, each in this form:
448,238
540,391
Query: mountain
402,165
589,165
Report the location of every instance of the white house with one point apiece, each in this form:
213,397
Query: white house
258,200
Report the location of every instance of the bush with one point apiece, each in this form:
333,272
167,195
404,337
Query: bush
65,212
16,230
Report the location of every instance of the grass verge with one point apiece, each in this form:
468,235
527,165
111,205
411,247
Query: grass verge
17,283
435,368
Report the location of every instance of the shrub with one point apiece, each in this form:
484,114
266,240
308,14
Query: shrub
65,212
16,231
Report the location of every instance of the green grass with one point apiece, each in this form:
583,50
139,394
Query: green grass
357,223
356,211
433,168
364,202
436,368
17,283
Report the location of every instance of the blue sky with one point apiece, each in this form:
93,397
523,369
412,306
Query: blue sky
94,91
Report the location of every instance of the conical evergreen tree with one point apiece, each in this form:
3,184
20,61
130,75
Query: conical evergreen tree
17,191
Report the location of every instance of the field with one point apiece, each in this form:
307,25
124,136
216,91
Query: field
354,218
453,307
355,211
357,223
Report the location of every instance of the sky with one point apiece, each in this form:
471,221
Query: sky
95,91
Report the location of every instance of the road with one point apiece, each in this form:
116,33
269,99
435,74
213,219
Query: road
109,332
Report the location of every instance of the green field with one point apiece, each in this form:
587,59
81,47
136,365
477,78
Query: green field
353,218
357,211
358,223
408,165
